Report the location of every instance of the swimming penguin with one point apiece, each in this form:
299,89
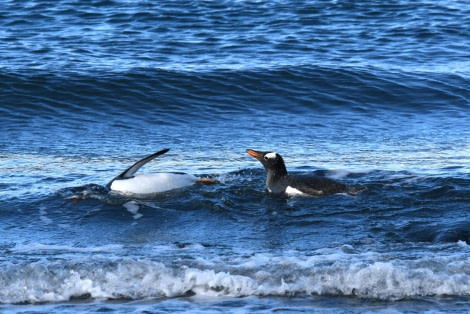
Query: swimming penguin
278,181
142,184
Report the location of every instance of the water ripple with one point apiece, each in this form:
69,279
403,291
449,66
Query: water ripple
204,35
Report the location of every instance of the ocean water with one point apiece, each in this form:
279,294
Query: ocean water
375,95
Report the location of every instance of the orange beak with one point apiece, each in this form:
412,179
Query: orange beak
253,153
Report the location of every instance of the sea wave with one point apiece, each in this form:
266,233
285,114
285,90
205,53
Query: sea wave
333,272
373,94
175,98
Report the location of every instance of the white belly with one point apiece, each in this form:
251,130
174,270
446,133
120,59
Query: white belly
153,183
293,191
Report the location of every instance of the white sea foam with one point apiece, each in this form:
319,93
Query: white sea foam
34,247
343,173
371,276
133,208
46,220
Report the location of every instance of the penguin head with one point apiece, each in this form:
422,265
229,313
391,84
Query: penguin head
272,162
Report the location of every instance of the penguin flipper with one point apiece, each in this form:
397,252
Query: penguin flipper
129,172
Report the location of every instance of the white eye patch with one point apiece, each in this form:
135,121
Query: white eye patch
270,156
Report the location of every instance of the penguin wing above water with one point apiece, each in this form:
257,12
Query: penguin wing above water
129,172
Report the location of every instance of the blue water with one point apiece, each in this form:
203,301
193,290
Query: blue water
373,94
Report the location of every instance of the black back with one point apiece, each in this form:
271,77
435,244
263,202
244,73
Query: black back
315,185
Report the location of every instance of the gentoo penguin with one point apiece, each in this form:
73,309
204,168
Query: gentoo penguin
142,184
278,181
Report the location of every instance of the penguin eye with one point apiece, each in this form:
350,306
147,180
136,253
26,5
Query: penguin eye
266,158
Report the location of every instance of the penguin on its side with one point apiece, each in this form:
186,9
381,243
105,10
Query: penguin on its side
129,183
279,181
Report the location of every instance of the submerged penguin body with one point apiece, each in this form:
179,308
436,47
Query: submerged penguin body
153,183
144,184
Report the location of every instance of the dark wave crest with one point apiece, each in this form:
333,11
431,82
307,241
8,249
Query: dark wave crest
178,97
